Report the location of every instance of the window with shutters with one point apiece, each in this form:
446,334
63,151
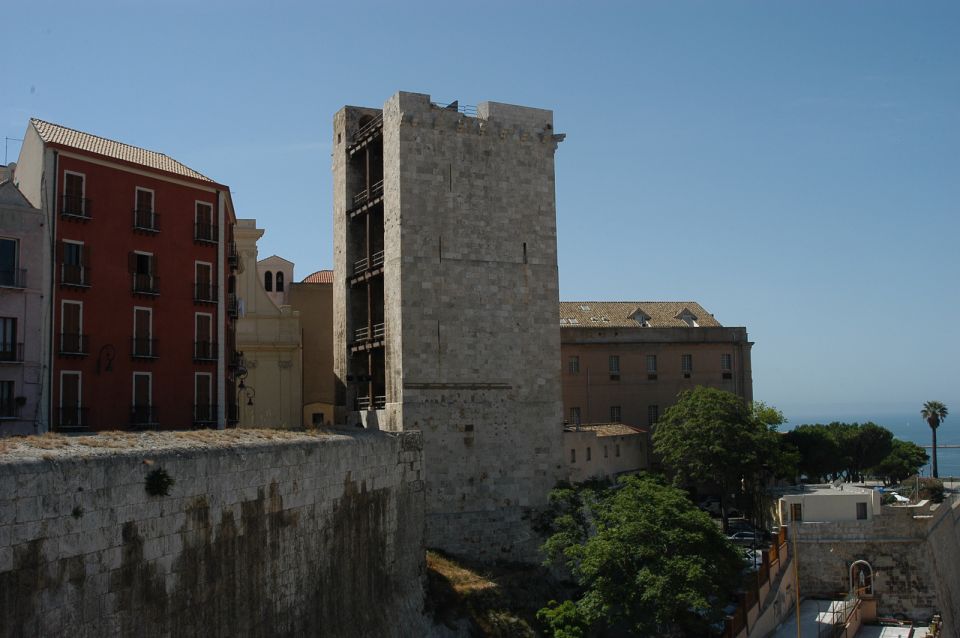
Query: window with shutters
204,228
573,365
10,350
614,413
614,365
144,345
72,340
204,290
72,414
686,365
204,347
144,214
142,412
651,367
204,409
575,415
74,261
75,204
11,275
143,269
726,366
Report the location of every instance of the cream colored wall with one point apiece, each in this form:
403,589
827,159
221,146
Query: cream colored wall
269,337
276,264
314,302
829,506
604,462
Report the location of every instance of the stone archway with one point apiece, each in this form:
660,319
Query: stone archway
861,578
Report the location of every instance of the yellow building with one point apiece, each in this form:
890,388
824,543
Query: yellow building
269,337
313,299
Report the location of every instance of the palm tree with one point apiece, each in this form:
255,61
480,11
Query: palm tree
934,412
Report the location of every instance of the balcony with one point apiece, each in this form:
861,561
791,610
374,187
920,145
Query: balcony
74,275
73,344
379,402
205,350
72,418
206,232
142,416
236,360
369,131
362,265
9,409
205,416
205,293
146,284
233,306
366,195
146,221
76,208
11,353
364,334
233,259
143,348
16,278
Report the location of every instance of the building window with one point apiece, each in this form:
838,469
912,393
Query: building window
726,365
653,413
686,365
74,263
143,344
614,364
279,281
204,229
10,350
575,416
606,452
861,511
72,339
75,203
10,273
268,281
72,414
616,450
651,367
204,288
143,269
144,217
8,405
615,414
573,365
204,410
796,512
589,454
204,348
573,456
142,411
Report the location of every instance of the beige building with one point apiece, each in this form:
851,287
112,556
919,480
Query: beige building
276,274
268,335
626,361
313,299
605,450
829,504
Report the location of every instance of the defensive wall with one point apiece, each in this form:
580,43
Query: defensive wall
261,533
914,552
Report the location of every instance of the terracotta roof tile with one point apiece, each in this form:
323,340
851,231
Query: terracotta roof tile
319,277
630,314
56,134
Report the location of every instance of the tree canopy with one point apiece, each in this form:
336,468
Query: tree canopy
714,436
646,560
934,412
905,460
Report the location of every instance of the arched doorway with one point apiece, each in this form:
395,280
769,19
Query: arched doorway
861,578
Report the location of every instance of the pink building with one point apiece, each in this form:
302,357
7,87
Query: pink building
23,342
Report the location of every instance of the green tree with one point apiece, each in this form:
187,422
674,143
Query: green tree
713,436
934,412
905,459
819,452
646,560
868,444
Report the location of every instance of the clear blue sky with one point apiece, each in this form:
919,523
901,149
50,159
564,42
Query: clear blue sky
793,166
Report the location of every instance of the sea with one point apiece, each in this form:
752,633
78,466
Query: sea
905,426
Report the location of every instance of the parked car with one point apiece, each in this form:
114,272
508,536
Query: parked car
749,538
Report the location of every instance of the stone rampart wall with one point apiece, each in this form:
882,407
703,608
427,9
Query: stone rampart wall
262,533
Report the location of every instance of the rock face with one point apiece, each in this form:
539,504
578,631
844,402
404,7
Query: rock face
290,536
452,260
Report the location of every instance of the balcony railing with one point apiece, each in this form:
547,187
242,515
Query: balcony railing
205,415
369,127
146,220
205,350
236,359
143,348
206,232
378,402
361,265
364,334
143,415
75,207
233,306
375,191
9,409
73,343
233,259
11,352
146,284
73,418
205,292
16,278
74,275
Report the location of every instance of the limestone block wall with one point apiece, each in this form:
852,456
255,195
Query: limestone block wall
262,533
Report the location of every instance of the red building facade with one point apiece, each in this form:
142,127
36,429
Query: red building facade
142,311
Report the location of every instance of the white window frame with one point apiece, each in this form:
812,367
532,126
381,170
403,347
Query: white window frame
196,281
149,337
63,303
153,198
195,335
79,374
196,217
83,176
726,358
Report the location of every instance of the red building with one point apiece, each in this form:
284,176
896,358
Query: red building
141,282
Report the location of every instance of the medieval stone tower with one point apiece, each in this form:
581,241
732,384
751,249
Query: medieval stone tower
445,306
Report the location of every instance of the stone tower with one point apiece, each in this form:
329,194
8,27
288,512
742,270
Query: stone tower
445,306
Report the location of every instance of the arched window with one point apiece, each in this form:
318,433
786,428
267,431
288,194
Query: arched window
268,281
279,282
